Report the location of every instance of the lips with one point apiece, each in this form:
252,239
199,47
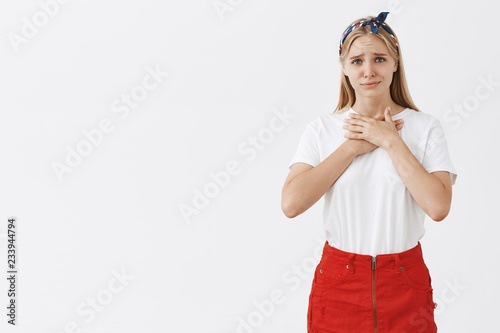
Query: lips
370,84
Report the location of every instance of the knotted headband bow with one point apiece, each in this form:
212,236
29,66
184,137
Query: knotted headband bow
374,23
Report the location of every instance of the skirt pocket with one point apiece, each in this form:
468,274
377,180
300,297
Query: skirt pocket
417,275
330,273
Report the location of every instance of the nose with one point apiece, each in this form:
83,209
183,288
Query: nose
368,70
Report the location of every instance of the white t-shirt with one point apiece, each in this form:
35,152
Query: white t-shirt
369,210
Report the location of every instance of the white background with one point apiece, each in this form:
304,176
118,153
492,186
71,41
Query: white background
229,72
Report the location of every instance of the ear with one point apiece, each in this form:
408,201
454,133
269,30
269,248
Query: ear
344,70
396,65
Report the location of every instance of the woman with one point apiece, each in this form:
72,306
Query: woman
381,165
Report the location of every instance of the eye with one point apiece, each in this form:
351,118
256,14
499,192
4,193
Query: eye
354,61
383,59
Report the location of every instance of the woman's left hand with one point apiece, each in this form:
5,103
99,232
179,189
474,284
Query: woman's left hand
378,132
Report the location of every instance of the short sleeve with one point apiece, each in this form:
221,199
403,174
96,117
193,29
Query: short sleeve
436,155
308,148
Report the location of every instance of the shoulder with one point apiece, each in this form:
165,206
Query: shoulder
324,124
426,128
323,120
423,119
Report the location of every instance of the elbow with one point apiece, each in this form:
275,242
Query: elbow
438,218
289,206
288,210
440,215
439,208
292,203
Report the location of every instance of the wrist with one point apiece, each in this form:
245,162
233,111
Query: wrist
391,141
348,144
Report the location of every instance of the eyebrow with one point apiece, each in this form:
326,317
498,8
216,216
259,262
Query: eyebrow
362,54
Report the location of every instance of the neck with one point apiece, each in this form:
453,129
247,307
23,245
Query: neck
375,108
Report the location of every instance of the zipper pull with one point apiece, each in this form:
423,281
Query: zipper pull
374,262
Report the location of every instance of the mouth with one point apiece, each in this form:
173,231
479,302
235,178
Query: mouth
370,85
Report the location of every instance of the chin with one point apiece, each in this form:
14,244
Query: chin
370,92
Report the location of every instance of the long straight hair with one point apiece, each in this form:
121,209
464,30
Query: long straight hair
400,93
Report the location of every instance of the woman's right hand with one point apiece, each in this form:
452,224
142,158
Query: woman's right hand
360,146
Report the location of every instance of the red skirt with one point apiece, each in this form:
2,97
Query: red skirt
388,293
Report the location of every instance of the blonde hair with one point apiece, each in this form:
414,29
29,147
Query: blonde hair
400,93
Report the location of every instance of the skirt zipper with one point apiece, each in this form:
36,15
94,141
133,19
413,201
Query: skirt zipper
374,265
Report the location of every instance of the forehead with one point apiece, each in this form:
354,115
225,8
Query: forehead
368,44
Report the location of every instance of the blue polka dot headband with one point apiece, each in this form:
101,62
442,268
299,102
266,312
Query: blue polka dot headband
374,23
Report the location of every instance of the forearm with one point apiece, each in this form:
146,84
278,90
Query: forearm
427,190
306,189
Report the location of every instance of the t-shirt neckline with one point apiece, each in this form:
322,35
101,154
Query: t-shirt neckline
398,116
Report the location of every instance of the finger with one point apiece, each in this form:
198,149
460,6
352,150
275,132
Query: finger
388,115
353,128
353,122
360,117
383,118
352,135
